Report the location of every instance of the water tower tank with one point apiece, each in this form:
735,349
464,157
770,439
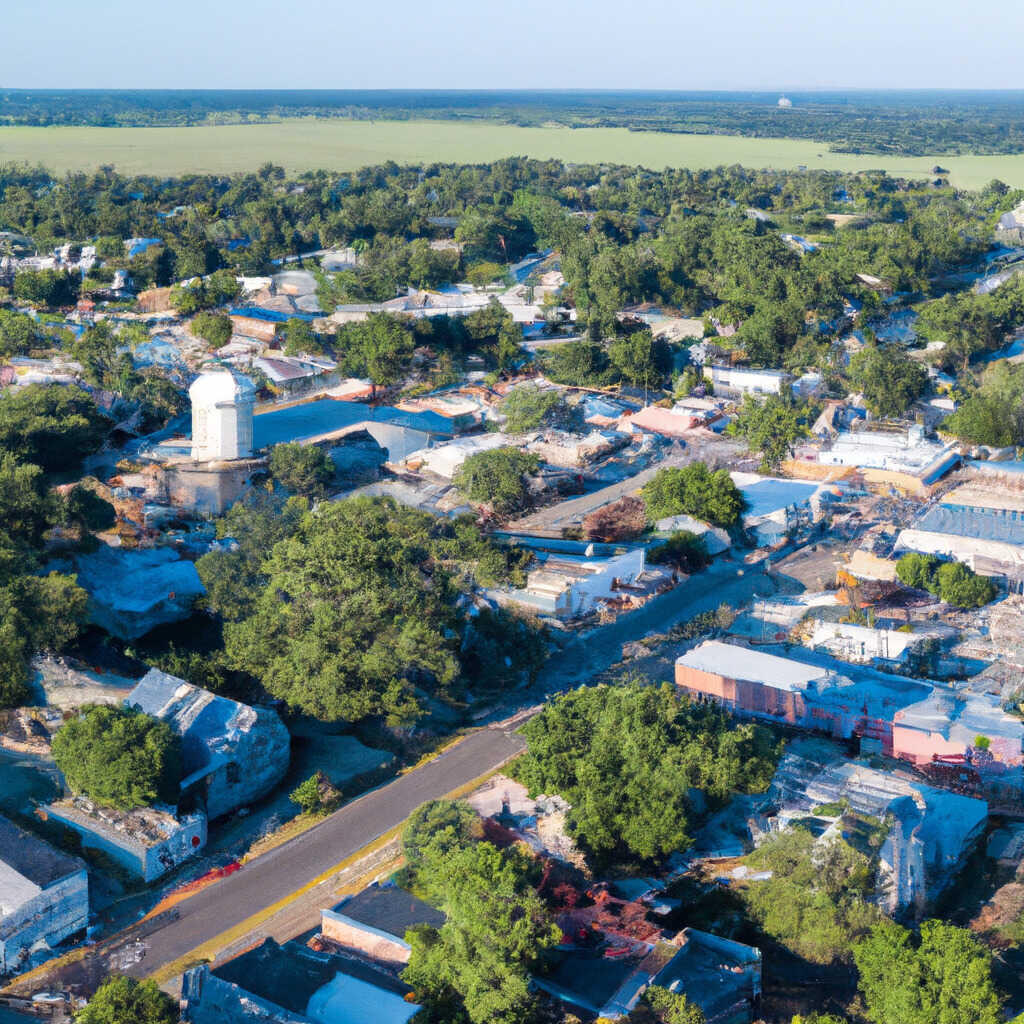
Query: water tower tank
222,405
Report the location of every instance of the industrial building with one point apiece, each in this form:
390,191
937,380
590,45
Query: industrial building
900,457
832,697
232,754
44,896
977,524
928,724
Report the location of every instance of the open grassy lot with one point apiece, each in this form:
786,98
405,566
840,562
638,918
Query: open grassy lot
346,145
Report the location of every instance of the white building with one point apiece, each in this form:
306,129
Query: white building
742,380
862,644
147,842
567,587
44,896
904,450
222,413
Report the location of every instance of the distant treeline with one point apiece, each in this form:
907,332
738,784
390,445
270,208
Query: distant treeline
895,123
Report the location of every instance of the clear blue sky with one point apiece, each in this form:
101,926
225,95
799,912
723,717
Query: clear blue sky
497,44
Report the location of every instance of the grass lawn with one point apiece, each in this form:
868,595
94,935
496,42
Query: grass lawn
302,144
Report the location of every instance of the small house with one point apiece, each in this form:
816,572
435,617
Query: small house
232,753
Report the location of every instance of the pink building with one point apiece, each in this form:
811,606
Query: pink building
917,721
809,695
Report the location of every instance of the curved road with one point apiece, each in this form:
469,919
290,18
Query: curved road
277,874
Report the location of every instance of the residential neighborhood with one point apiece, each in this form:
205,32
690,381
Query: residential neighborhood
518,592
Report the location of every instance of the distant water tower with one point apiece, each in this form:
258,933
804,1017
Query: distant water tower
222,404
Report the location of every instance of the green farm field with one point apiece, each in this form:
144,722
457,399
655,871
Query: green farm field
302,144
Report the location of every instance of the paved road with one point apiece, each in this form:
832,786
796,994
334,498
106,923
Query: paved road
277,874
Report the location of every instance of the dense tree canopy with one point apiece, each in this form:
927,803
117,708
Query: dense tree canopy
496,932
953,582
890,380
352,611
530,408
945,977
49,425
37,612
302,469
693,490
119,758
380,348
628,758
771,427
815,902
497,477
993,413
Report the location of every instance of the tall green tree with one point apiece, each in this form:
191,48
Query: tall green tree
693,490
945,977
123,1000
379,348
889,379
771,427
629,759
496,931
303,469
119,758
497,477
353,613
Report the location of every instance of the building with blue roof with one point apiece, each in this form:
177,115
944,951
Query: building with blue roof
231,753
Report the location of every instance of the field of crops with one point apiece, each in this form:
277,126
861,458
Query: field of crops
301,144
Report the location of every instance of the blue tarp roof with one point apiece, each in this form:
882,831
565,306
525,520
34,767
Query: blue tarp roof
976,523
327,415
270,315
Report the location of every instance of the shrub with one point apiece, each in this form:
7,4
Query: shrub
303,469
624,519
693,490
684,550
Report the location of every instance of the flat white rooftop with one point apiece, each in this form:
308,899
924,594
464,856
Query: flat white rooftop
736,662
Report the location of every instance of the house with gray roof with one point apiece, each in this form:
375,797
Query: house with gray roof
232,754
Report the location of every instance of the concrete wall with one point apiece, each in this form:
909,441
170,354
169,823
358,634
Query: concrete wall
260,758
147,862
371,941
51,916
251,327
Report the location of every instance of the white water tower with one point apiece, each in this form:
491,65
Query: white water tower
222,404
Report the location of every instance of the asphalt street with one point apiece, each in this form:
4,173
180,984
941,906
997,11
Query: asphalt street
274,876
277,874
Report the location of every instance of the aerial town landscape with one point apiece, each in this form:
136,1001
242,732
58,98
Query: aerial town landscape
521,590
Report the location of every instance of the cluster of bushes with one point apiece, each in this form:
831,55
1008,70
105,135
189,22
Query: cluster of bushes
952,582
